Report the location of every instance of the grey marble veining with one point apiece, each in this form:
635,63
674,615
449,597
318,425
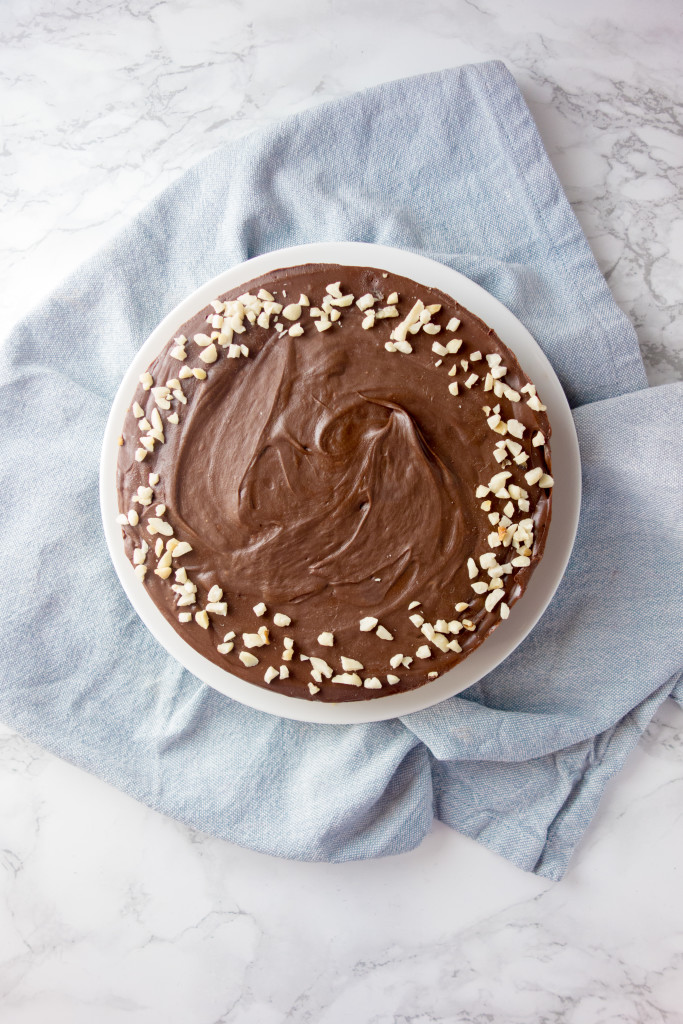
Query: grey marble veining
111,913
105,105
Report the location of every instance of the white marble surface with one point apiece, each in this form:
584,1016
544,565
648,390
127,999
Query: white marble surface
111,913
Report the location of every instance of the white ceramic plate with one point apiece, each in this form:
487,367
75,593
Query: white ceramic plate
566,493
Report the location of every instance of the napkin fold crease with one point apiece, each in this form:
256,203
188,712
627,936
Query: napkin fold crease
450,165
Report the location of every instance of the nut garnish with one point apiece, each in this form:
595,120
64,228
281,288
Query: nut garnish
372,683
351,664
400,332
247,659
516,428
161,397
140,554
202,619
348,678
492,600
320,665
271,673
326,639
498,481
183,548
260,609
423,652
165,561
222,648
209,355
253,640
367,624
156,525
383,633
313,689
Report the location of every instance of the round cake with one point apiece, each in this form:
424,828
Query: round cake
335,482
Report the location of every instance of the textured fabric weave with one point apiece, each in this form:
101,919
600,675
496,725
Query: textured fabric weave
449,165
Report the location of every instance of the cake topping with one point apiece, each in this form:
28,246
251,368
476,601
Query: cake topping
367,624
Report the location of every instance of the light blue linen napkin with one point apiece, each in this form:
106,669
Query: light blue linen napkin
449,165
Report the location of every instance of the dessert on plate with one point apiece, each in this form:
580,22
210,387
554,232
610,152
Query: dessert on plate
335,482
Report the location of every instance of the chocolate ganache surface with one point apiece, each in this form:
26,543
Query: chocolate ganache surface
346,460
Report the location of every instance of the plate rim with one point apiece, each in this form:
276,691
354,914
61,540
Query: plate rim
509,634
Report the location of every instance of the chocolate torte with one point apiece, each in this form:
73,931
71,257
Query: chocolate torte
334,482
